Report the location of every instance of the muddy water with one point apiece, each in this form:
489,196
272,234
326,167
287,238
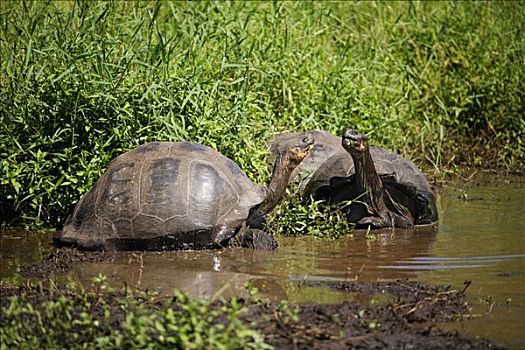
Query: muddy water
481,239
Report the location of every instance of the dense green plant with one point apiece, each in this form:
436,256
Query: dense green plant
83,81
297,217
103,318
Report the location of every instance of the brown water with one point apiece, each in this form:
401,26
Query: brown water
481,239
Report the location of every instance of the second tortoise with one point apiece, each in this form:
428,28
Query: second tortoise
386,192
329,173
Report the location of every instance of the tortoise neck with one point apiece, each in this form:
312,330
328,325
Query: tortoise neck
368,182
275,191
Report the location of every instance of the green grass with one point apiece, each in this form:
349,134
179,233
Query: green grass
82,82
70,317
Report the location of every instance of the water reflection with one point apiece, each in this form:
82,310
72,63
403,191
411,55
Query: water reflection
351,258
202,273
19,248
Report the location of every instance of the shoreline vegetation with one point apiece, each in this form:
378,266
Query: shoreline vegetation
441,83
37,316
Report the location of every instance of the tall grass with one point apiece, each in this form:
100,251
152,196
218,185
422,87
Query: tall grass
82,82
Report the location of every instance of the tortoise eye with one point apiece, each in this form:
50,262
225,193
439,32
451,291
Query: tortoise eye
305,139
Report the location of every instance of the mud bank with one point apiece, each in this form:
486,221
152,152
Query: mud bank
410,320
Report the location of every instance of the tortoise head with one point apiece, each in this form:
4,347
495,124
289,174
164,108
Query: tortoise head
297,149
287,159
354,142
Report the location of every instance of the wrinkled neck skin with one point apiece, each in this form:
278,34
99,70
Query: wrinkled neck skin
368,183
282,170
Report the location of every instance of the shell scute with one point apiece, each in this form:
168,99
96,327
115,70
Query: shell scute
124,228
192,147
118,192
210,196
179,224
234,168
148,226
146,148
162,194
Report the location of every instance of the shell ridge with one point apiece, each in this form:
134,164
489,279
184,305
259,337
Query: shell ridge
190,163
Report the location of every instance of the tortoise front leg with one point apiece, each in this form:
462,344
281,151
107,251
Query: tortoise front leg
388,219
253,238
220,235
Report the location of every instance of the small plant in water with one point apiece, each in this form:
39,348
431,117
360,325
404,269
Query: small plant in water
369,235
287,313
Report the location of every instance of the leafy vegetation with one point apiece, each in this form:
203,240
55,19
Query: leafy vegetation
297,217
69,317
83,81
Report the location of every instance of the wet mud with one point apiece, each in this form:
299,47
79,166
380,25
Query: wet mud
409,321
61,260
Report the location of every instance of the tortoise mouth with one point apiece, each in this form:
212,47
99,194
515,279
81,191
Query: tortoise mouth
307,144
354,141
300,155
309,148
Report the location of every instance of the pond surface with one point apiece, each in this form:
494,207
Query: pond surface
481,238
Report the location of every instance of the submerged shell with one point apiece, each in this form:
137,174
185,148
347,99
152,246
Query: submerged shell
163,195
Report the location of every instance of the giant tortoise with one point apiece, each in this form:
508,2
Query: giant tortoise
385,189
167,196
